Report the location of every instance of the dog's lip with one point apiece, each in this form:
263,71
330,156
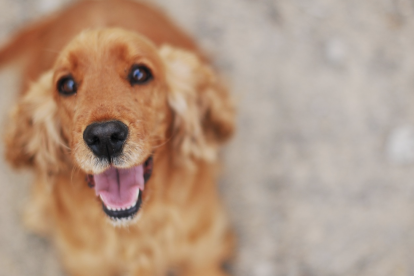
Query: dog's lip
124,214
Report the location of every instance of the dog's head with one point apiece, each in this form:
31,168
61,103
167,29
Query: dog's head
111,100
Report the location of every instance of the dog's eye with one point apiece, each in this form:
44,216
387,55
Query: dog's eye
140,74
67,86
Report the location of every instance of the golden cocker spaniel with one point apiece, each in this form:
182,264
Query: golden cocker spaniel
121,118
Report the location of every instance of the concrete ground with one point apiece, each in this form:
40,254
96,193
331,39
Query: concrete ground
319,180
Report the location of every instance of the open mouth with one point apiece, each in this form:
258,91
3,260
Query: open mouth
120,190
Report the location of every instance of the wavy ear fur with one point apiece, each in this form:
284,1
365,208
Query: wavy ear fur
203,110
33,136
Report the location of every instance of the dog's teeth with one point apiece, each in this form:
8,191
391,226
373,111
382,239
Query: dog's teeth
137,193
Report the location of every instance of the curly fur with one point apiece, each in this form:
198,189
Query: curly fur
181,117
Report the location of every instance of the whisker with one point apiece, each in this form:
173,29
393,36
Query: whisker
162,144
72,173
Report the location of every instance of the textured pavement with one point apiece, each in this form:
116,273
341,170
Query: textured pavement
319,180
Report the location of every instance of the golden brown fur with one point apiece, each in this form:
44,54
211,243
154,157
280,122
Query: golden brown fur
181,117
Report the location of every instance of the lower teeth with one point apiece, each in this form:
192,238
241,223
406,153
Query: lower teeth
122,219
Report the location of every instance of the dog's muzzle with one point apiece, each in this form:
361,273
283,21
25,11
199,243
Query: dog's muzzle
120,189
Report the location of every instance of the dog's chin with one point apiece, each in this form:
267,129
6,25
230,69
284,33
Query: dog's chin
124,223
121,191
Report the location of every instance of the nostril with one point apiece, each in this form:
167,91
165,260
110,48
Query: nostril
115,137
118,137
93,140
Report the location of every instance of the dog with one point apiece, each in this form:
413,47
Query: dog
121,118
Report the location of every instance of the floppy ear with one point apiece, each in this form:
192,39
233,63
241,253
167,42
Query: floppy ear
203,110
33,136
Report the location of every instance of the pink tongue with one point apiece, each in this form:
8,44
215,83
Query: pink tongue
118,188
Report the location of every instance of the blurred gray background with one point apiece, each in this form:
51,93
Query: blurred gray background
319,179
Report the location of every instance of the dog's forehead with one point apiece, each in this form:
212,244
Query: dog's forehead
105,47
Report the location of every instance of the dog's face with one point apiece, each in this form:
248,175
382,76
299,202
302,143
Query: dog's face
111,94
112,99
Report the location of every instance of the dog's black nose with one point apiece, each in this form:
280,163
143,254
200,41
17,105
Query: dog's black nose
106,139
